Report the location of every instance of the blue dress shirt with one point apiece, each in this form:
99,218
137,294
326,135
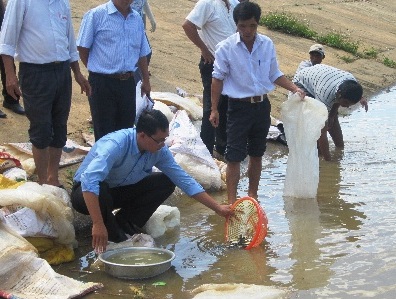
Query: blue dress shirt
115,42
116,159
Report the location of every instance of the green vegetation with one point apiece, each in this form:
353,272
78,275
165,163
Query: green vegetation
370,53
339,41
347,59
389,62
286,23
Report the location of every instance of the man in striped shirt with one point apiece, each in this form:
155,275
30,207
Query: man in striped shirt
334,88
112,42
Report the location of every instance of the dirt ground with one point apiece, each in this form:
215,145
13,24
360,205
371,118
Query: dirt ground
175,58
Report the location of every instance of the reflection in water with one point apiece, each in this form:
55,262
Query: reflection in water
309,270
336,212
339,245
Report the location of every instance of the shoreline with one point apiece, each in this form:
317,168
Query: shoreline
175,58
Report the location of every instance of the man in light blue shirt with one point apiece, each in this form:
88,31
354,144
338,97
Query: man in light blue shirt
40,35
111,43
117,174
246,69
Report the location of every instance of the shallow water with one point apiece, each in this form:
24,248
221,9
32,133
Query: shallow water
339,245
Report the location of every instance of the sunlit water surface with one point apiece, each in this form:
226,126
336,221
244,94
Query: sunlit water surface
339,245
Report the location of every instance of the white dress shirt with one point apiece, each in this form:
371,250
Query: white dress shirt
38,31
246,74
214,21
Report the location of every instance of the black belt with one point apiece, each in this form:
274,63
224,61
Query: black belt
253,100
53,63
119,76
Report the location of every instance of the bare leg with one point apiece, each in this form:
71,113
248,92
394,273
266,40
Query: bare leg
254,173
233,175
40,157
336,134
53,166
323,145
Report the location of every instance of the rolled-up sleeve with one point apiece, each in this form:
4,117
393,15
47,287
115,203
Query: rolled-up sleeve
275,72
11,28
221,66
74,56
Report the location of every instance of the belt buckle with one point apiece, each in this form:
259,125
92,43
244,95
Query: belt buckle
124,76
253,101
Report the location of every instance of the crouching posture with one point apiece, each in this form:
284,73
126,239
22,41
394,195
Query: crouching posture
117,174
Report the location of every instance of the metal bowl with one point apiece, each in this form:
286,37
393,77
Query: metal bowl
136,271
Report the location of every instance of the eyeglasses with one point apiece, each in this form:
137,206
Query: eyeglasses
156,141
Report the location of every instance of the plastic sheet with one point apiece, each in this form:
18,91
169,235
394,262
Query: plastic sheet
303,122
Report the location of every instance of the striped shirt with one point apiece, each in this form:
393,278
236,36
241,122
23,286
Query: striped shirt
322,82
115,42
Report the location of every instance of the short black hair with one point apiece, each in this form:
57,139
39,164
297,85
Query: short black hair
351,90
247,10
150,121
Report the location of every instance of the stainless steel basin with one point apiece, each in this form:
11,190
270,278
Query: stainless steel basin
136,271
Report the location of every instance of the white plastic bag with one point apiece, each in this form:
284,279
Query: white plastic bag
303,122
163,219
191,153
142,103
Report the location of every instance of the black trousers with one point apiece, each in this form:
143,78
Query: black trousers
136,202
212,137
112,103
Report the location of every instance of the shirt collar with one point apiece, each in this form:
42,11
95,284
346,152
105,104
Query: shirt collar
112,9
135,148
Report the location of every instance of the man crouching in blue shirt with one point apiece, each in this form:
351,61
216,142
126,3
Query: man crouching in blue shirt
117,174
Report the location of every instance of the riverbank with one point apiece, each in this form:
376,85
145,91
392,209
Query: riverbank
175,59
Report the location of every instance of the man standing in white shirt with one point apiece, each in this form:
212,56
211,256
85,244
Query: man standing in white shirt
39,34
206,25
246,70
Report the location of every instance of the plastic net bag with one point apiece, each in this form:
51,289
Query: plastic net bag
303,122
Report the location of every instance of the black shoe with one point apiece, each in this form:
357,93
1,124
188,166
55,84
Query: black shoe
2,114
127,227
15,107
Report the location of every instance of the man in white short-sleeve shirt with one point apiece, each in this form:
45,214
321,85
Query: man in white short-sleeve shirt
209,23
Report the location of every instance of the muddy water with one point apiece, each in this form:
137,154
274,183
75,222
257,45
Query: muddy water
339,245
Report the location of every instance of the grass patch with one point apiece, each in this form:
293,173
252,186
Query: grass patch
389,62
347,59
339,41
370,53
288,24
